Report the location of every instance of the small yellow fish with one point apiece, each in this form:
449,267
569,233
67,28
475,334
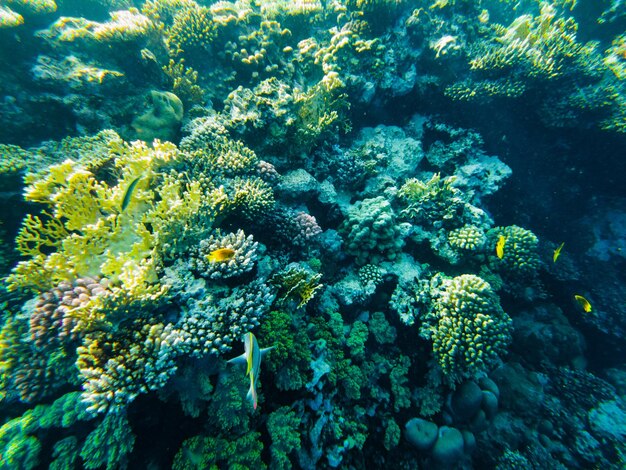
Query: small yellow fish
557,252
220,255
500,246
584,303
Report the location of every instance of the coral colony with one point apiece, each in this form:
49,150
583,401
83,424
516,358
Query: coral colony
191,176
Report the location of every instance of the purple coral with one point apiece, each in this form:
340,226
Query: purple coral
52,321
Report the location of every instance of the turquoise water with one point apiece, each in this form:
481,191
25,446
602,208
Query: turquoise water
312,234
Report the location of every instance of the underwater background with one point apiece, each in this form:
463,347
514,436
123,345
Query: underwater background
405,218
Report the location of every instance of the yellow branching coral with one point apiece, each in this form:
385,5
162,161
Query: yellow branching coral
163,12
33,7
192,34
543,46
184,82
90,228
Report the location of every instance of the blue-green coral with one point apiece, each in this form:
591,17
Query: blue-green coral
371,231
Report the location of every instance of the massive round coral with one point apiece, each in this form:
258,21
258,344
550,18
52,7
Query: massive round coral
472,330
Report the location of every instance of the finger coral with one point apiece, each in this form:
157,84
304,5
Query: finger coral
471,330
242,259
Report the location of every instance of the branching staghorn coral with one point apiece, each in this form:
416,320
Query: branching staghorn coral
530,50
184,82
191,34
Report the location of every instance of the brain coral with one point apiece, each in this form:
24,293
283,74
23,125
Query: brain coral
472,330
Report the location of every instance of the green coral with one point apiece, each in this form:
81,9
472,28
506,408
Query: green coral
392,434
291,355
400,383
65,454
471,331
214,452
19,442
228,408
380,329
356,339
283,428
108,444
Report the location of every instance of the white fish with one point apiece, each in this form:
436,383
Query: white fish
252,357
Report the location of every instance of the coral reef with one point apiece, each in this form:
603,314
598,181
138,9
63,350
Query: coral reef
179,175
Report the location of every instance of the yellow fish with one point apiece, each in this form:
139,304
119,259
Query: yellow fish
557,252
500,246
220,255
584,303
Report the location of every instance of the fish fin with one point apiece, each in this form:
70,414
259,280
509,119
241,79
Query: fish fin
239,360
264,351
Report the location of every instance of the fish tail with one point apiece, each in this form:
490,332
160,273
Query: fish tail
252,396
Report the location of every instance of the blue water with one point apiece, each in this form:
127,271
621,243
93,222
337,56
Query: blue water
405,221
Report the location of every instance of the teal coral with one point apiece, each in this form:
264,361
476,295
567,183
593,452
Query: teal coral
108,445
209,452
371,231
282,426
